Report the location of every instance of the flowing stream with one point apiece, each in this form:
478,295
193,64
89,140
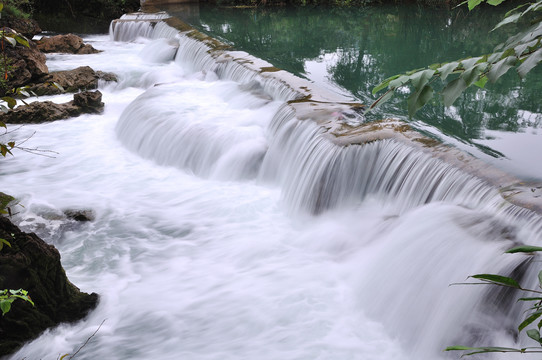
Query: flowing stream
226,228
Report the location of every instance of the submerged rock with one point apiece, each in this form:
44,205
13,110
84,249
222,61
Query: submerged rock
35,266
69,43
81,78
87,102
81,215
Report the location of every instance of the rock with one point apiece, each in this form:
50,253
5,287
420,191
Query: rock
69,43
106,76
26,27
81,78
27,64
87,102
5,199
80,215
35,266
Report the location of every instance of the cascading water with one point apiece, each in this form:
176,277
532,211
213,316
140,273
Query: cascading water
229,228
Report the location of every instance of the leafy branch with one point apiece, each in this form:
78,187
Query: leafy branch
523,50
534,312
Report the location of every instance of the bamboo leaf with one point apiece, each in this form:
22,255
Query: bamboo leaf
530,299
523,249
498,279
530,319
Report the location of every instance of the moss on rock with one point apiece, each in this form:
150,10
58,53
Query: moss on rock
33,265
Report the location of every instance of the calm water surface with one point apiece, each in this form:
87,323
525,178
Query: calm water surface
350,50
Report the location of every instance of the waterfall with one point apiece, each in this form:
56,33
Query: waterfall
234,221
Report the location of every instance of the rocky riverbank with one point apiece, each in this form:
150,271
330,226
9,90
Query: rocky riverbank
28,262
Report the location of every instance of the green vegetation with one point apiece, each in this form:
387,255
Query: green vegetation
534,313
7,297
523,51
20,9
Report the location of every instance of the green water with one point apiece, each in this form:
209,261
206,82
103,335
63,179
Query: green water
351,50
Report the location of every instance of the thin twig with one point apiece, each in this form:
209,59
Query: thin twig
86,342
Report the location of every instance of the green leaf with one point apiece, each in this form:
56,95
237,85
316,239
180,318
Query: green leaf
530,299
523,249
479,350
421,78
5,306
459,348
473,3
11,40
501,67
1,6
515,9
507,20
4,241
381,100
529,320
58,86
530,62
468,63
498,279
520,49
453,90
472,74
447,69
481,83
10,101
384,84
63,356
494,2
400,81
22,40
419,99
534,334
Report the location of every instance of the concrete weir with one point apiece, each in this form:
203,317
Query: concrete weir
339,118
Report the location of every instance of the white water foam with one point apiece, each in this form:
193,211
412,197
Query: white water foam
197,255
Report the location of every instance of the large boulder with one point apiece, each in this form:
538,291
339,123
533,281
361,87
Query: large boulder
81,78
35,266
27,64
87,102
69,43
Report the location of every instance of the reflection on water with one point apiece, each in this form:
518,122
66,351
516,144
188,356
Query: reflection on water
353,49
